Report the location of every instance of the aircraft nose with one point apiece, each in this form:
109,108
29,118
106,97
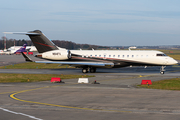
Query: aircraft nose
174,61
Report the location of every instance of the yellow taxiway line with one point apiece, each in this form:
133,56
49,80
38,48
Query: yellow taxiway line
62,106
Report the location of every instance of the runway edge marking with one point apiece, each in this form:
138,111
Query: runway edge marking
18,113
62,106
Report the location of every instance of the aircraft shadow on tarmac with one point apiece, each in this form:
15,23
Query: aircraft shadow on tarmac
152,69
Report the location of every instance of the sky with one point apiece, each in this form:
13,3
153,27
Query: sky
97,22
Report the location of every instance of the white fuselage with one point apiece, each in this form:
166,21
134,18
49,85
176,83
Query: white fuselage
137,56
144,57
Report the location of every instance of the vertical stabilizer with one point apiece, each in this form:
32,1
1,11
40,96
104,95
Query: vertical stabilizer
41,42
22,49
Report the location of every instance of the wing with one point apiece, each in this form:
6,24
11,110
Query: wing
80,64
97,64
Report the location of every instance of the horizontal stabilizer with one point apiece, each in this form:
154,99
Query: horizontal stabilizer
22,33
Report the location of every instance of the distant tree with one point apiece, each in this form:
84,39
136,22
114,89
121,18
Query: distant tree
60,43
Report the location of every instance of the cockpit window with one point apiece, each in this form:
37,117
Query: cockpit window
161,55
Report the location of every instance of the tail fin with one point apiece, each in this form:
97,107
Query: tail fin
22,49
41,42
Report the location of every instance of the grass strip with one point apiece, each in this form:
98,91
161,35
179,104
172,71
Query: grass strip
32,65
9,77
168,84
176,57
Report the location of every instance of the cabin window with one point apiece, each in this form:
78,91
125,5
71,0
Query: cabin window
123,56
99,55
146,55
113,55
118,55
136,55
127,55
90,55
132,55
104,55
109,55
141,55
95,55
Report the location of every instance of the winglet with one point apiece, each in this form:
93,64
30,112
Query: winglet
27,58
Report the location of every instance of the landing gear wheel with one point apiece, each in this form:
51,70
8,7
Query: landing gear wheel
84,70
162,72
93,70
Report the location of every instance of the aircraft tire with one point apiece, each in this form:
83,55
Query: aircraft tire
162,72
93,70
84,70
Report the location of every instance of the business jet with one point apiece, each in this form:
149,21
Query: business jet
89,60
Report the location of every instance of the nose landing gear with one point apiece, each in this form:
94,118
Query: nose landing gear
162,70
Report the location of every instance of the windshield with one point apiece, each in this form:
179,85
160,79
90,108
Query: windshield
161,55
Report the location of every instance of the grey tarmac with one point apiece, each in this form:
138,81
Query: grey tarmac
116,97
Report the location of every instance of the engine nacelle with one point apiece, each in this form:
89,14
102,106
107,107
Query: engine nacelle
57,55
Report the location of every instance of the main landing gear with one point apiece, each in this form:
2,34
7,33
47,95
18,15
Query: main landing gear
162,70
86,70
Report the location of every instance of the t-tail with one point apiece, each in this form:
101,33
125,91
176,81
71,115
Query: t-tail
22,49
41,42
